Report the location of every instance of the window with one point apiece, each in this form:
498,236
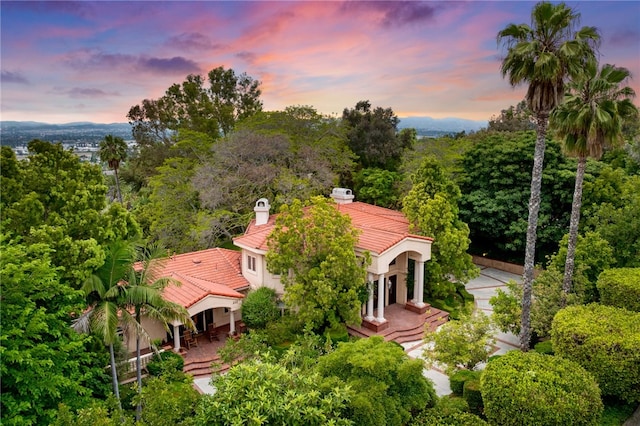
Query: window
251,263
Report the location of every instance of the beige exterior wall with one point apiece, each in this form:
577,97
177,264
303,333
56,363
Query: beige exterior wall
154,329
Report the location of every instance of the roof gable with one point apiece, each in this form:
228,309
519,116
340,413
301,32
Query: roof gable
212,272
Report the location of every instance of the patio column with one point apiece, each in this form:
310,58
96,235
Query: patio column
176,338
232,323
420,283
381,299
369,316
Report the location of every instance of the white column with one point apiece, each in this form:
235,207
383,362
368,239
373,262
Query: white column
381,298
416,283
369,316
232,323
420,282
176,338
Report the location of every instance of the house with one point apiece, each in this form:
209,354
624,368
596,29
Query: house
213,282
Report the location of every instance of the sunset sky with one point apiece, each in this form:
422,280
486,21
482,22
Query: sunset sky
91,61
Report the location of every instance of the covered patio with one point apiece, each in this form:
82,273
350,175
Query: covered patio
198,358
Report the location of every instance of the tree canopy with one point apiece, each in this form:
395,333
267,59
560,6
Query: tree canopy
312,249
373,136
432,209
61,202
385,385
43,361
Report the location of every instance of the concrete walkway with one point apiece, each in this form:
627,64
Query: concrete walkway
483,288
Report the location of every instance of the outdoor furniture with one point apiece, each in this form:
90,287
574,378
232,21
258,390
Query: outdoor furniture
212,332
189,339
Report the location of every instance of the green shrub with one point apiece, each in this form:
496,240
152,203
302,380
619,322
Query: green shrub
457,379
450,404
544,348
433,418
620,287
260,308
473,396
466,296
605,341
285,329
527,388
337,334
165,362
616,413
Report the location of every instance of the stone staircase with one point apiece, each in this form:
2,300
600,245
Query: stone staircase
202,367
405,327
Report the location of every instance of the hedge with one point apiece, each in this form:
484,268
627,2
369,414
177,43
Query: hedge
527,388
605,340
457,379
433,418
620,287
472,394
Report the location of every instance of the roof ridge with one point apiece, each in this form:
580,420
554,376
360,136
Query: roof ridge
191,279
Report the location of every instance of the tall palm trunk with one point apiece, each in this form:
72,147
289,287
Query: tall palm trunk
138,370
573,229
114,375
542,120
118,185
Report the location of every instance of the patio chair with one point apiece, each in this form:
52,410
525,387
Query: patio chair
212,332
189,339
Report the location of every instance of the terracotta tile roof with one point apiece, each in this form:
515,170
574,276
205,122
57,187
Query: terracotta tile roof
202,273
380,228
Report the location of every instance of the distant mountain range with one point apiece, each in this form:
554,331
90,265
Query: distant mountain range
14,133
426,125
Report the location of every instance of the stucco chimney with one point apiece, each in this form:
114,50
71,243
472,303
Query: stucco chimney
262,211
342,195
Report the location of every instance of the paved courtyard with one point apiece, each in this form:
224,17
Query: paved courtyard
483,288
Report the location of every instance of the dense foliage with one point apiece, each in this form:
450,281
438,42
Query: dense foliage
620,287
434,418
58,200
495,191
257,392
386,386
311,248
373,136
527,388
432,209
260,307
592,256
43,362
605,340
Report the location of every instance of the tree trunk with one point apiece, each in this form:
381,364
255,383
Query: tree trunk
114,375
115,169
573,230
138,371
530,250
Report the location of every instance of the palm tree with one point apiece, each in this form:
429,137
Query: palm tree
543,55
113,150
589,120
144,298
104,292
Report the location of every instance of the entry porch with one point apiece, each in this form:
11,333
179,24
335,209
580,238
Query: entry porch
403,323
